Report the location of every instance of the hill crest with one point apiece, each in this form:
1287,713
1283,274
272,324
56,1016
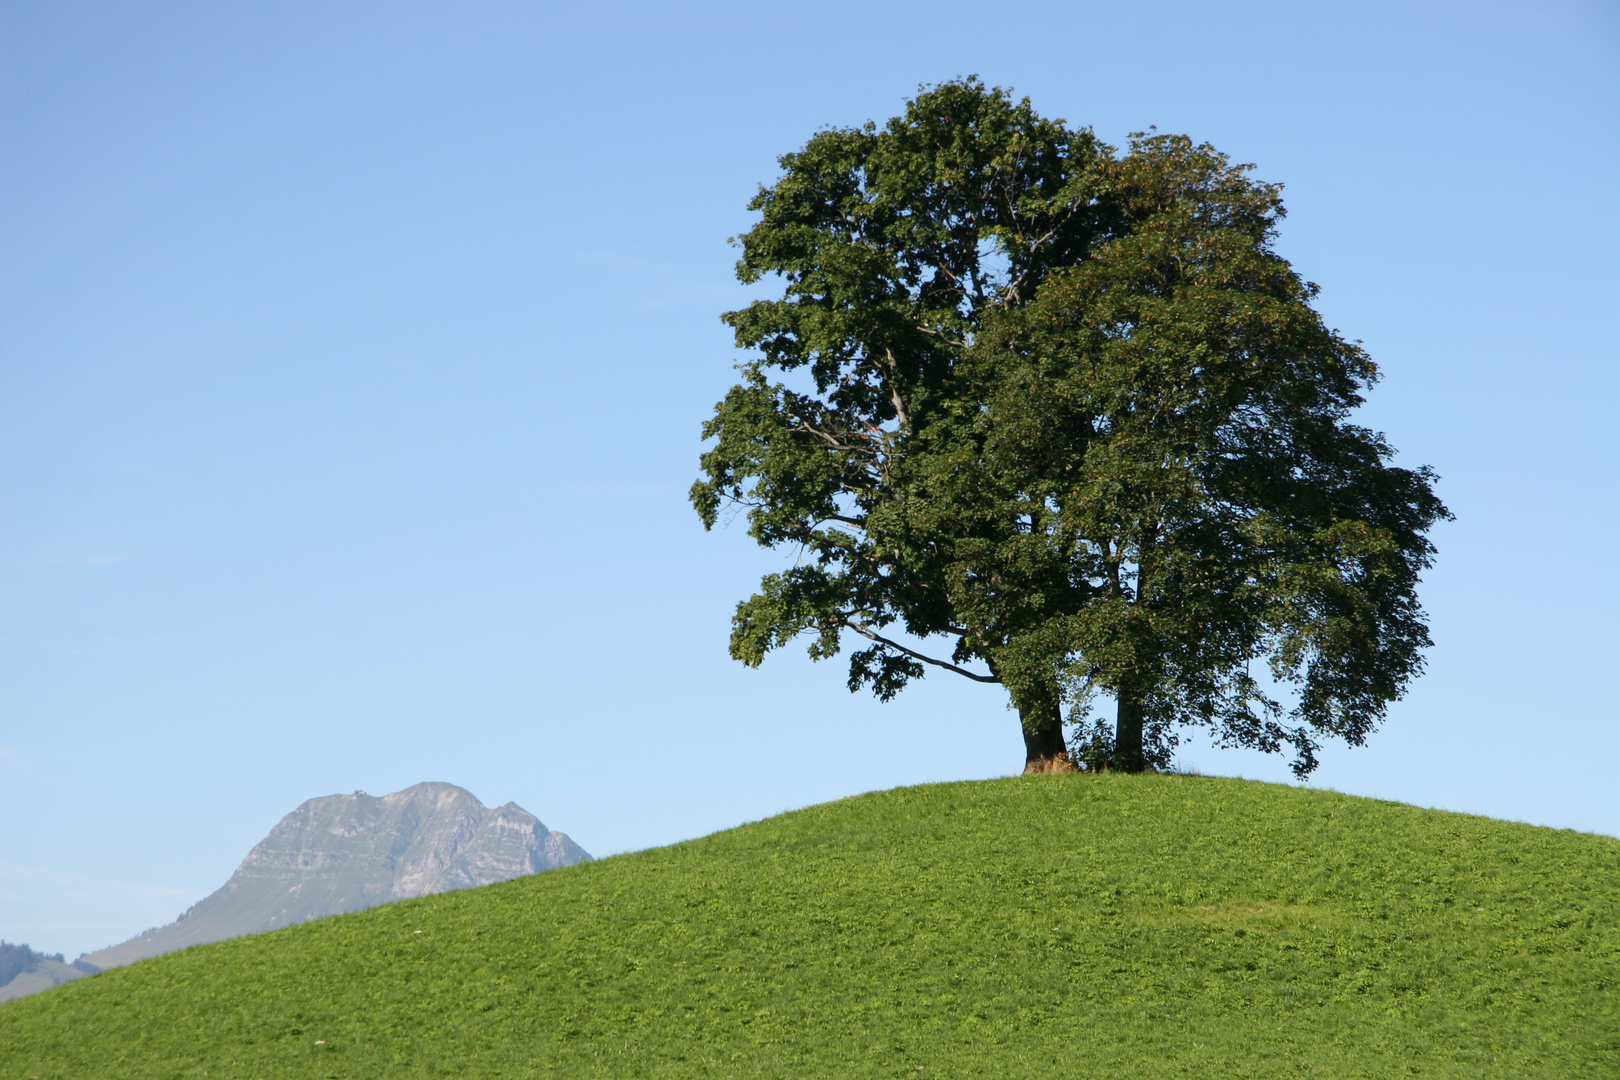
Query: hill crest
1139,927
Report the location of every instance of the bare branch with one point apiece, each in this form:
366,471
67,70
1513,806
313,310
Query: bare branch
1015,286
895,645
831,440
923,327
894,391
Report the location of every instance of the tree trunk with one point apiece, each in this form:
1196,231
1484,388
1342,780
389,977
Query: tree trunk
1127,756
1044,751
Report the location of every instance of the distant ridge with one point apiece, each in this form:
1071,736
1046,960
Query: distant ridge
24,971
347,852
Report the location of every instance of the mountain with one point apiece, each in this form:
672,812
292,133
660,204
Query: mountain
24,971
347,852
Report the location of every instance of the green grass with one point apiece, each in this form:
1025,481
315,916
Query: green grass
1107,926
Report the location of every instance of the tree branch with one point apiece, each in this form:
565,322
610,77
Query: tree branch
924,328
895,645
804,427
894,391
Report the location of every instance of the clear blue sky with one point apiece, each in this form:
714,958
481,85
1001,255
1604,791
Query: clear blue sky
352,358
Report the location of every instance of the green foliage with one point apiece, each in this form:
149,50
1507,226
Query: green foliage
1067,409
1119,926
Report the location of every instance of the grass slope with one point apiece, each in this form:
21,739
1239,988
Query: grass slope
1053,926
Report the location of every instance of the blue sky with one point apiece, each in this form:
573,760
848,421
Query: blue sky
352,359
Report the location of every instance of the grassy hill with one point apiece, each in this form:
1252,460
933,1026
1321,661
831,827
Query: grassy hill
1108,926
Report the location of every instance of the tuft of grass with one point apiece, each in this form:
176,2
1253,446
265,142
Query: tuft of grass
1109,926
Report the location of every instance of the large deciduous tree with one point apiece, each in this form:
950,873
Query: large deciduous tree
1068,410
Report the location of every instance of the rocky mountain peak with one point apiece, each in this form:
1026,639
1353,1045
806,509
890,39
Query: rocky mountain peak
341,853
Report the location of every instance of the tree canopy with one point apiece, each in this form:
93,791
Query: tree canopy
1065,409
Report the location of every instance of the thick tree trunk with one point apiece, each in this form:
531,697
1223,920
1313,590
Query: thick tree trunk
1127,756
1044,751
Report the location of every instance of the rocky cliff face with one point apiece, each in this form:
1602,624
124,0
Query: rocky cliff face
346,852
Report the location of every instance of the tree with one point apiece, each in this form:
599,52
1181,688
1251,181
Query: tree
1067,409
